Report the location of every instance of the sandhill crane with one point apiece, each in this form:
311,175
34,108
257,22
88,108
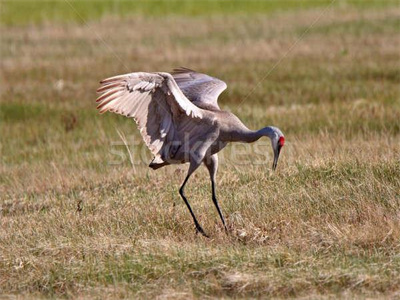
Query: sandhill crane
180,120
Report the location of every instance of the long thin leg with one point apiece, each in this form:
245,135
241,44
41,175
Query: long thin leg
212,166
193,166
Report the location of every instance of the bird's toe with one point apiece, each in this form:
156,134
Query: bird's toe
201,231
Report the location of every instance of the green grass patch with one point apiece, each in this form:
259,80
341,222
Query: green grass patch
359,27
35,12
17,112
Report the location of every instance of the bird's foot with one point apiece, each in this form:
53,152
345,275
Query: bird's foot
226,230
200,230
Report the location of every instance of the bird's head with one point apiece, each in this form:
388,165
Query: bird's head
277,141
277,146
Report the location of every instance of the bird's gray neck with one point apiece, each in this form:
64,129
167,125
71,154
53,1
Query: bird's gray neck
250,136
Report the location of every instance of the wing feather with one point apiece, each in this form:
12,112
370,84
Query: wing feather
153,100
109,86
203,90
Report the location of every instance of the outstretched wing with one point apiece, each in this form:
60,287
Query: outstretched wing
201,89
153,100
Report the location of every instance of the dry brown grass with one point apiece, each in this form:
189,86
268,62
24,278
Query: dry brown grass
325,225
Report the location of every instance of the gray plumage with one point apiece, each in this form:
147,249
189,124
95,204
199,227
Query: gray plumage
180,120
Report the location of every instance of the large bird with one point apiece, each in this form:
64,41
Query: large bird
180,121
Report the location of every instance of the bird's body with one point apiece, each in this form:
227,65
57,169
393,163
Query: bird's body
180,120
196,135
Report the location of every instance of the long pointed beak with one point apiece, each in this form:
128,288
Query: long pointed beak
276,157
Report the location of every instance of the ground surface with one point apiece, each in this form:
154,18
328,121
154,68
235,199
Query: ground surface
327,223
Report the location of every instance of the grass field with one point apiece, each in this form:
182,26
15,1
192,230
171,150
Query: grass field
326,224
